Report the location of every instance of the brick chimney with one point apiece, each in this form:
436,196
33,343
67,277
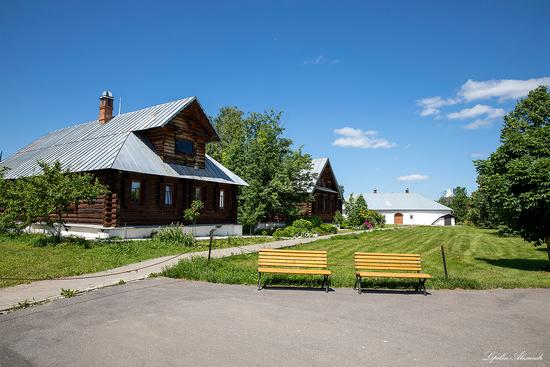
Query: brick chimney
105,106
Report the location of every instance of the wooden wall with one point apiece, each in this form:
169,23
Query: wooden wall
190,124
116,208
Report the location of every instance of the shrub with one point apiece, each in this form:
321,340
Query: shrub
174,235
338,219
303,225
328,228
43,240
315,220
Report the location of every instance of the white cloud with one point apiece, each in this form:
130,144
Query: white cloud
357,138
477,110
503,89
321,59
413,177
473,90
431,105
478,124
477,155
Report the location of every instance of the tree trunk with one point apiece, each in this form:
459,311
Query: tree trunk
548,251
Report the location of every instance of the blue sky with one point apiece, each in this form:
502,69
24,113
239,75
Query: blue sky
398,94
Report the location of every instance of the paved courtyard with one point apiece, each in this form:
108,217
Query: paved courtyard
166,322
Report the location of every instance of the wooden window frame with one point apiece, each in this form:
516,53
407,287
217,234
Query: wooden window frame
221,199
193,147
197,193
139,200
172,190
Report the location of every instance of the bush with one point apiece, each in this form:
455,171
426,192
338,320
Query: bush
315,220
327,228
174,235
289,231
303,225
338,219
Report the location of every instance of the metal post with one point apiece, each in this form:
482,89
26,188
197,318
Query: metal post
210,246
444,261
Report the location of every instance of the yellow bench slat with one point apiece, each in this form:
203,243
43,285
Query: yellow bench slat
370,261
286,256
374,274
292,251
295,271
385,254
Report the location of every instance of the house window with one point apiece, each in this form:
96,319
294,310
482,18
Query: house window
185,146
411,217
222,199
168,195
135,192
198,193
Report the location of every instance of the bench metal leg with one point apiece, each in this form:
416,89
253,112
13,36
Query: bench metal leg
421,286
259,283
325,282
358,284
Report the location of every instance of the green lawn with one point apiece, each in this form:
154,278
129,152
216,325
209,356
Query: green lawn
20,259
476,259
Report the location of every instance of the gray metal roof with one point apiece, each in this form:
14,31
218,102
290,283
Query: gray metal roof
401,201
318,165
113,145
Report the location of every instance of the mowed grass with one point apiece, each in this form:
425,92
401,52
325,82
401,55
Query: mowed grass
476,259
20,259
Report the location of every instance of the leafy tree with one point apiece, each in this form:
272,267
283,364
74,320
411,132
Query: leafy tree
458,201
194,211
357,210
515,179
254,147
480,213
47,197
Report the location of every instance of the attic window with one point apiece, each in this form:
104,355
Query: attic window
185,146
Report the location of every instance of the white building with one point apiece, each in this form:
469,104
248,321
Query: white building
410,208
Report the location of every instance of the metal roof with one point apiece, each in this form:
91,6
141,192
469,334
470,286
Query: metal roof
402,201
113,145
318,165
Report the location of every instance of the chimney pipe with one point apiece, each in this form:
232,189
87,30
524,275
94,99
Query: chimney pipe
407,190
105,106
375,190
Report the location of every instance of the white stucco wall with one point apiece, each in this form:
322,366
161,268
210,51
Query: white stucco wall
419,217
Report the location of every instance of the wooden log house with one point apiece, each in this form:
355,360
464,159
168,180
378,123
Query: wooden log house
153,161
325,191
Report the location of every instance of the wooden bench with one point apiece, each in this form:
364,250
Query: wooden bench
376,265
293,262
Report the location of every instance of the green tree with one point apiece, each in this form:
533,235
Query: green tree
194,211
357,210
515,179
458,201
254,147
479,212
47,197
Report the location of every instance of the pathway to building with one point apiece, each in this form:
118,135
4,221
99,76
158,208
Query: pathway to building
45,290
174,322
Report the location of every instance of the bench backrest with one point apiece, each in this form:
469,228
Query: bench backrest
292,259
384,261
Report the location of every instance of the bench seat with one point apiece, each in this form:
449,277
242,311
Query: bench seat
388,265
376,274
298,262
295,271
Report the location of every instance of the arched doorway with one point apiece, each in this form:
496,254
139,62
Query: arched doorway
398,218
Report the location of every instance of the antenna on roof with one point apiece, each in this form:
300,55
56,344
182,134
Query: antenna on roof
119,104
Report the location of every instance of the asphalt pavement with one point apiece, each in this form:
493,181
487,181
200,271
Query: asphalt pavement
167,322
